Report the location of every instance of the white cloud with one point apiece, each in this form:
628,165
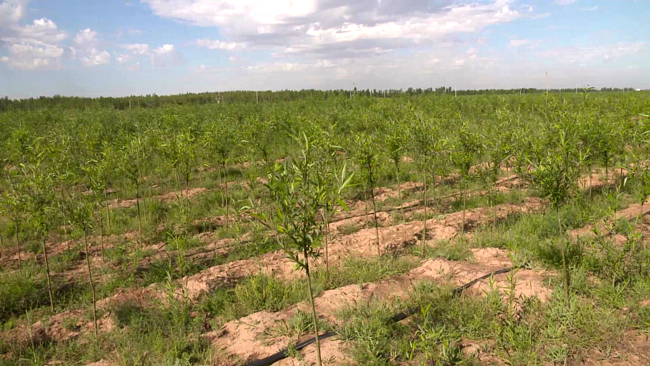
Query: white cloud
593,8
335,28
163,56
96,58
133,67
219,45
587,55
518,42
565,2
30,55
289,66
86,38
32,46
137,48
123,59
86,49
164,49
43,30
12,11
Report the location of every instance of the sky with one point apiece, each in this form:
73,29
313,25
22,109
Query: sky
133,47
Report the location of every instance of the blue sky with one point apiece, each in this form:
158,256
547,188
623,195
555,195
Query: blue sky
118,47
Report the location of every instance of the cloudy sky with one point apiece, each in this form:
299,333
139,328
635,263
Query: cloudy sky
118,47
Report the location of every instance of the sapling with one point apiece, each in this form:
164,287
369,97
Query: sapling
426,144
220,141
395,147
42,208
107,166
81,210
326,152
556,174
467,146
14,205
180,151
299,196
366,154
130,164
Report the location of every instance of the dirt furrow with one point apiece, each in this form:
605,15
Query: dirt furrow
604,226
166,197
262,334
361,243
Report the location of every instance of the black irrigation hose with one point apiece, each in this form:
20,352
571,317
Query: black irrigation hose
284,353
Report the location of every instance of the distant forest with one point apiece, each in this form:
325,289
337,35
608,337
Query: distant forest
242,96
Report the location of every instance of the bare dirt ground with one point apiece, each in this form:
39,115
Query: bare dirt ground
392,238
604,227
361,243
254,337
167,197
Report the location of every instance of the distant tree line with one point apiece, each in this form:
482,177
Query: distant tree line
244,96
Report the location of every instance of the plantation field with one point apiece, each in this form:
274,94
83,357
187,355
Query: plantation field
409,230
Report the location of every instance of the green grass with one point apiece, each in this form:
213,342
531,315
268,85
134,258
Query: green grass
607,283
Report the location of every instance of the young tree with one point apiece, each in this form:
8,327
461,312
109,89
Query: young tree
299,195
326,157
395,144
132,160
367,157
42,208
221,141
466,148
81,209
556,173
18,150
180,151
13,204
427,145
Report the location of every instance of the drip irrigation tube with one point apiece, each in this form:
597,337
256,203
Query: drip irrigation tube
284,353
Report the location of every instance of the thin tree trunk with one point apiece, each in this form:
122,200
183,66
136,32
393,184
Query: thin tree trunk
313,307
590,183
464,206
90,280
493,208
20,261
424,220
137,202
101,235
567,280
227,197
325,239
374,212
108,212
365,205
399,191
223,201
47,272
65,230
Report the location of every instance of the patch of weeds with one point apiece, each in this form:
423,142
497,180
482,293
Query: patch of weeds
371,332
19,292
126,313
453,250
550,252
71,323
299,324
349,229
419,216
257,293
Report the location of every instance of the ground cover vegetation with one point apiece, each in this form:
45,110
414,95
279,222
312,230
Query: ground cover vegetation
221,230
